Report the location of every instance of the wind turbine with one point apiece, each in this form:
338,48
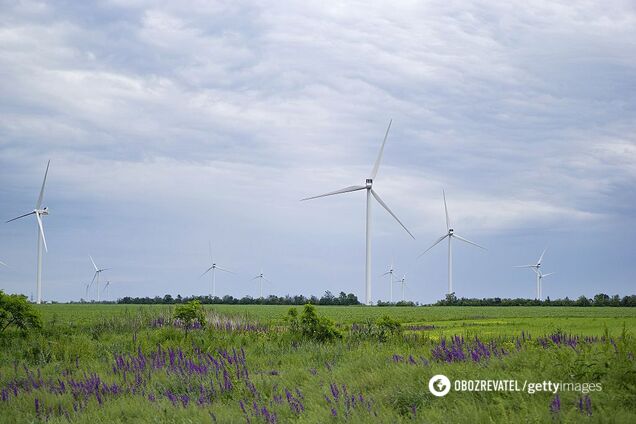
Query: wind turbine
261,277
370,192
106,289
39,212
537,269
403,283
213,268
98,271
88,286
450,233
390,273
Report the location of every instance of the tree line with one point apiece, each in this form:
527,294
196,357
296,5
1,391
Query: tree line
600,299
344,299
328,298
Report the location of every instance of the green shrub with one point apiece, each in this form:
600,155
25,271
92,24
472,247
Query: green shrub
388,326
310,326
190,314
16,312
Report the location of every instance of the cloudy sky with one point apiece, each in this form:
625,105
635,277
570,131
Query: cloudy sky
171,126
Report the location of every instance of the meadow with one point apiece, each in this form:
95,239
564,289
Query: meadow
122,363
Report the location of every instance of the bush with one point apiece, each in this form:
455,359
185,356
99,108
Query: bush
190,314
310,326
15,311
388,326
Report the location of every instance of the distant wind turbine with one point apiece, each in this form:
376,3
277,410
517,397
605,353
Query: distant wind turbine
106,289
261,277
39,212
98,271
537,270
390,273
450,234
370,192
213,268
403,283
3,264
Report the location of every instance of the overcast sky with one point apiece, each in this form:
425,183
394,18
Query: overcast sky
170,126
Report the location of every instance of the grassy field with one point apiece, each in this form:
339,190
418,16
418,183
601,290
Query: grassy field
116,363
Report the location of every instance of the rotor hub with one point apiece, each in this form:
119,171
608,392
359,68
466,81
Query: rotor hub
369,182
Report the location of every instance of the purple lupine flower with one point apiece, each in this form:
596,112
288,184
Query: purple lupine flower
185,399
555,406
334,391
588,405
37,407
334,412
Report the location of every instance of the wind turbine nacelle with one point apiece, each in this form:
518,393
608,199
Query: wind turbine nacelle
450,231
369,182
44,211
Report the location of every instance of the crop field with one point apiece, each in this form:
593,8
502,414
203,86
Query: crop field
124,363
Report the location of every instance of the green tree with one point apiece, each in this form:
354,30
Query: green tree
17,312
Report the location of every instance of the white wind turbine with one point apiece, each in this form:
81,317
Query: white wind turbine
98,271
261,278
39,212
370,192
450,233
402,281
537,270
106,289
390,273
213,268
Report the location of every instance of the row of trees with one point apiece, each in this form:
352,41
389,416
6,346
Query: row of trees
327,299
600,299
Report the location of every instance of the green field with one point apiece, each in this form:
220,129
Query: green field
116,363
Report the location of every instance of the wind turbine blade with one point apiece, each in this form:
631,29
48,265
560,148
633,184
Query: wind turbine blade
258,276
434,244
384,205
104,269
549,273
541,257
95,266
524,266
206,271
468,241
37,215
267,281
376,166
21,216
39,203
446,210
225,270
3,264
343,190
94,276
